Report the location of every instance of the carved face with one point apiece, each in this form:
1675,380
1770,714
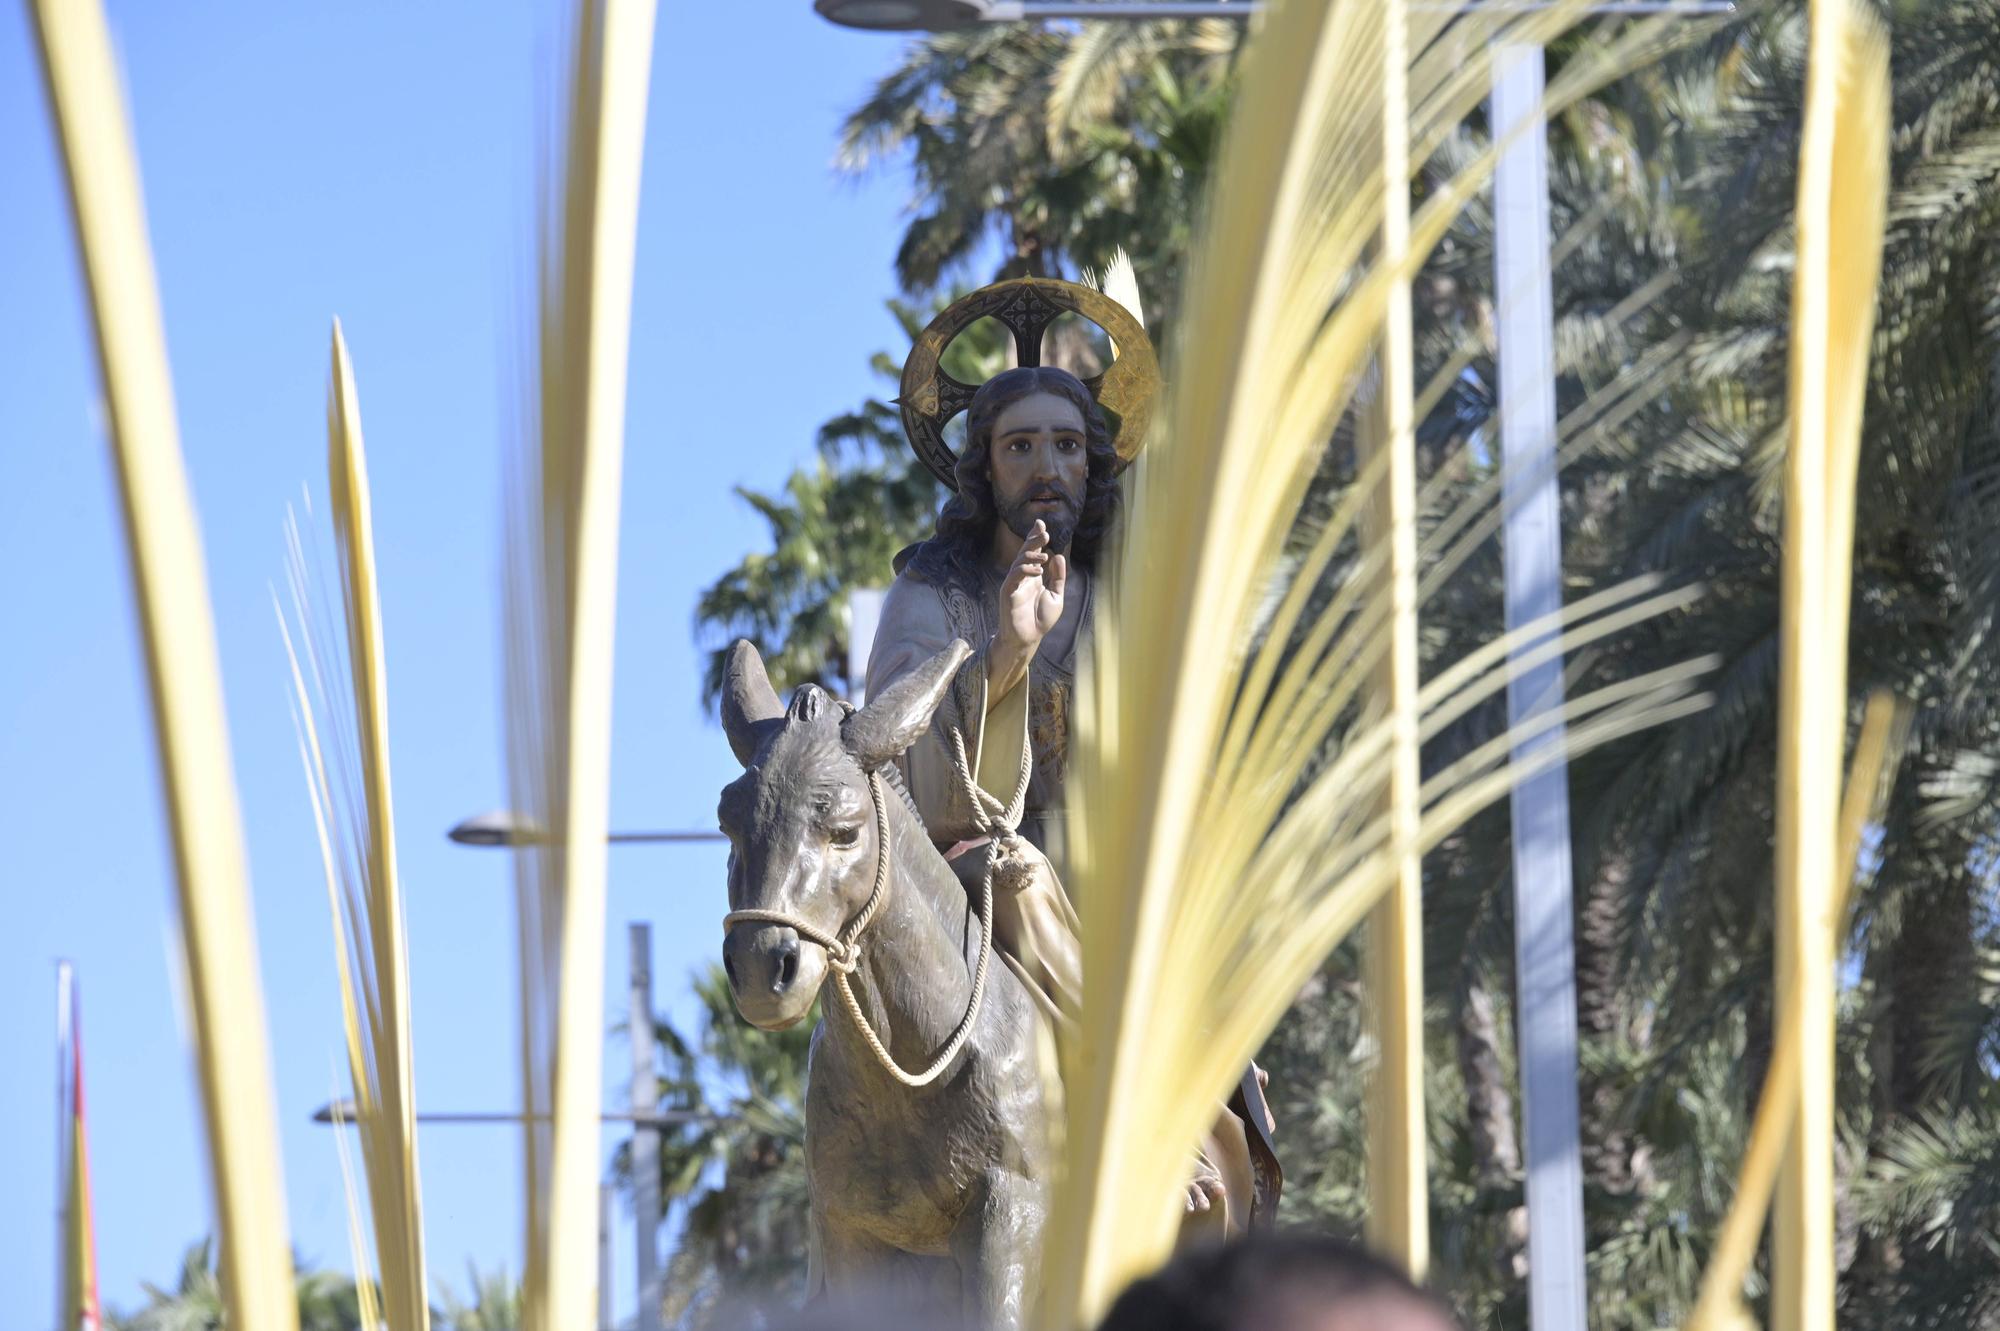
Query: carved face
1039,466
801,821
802,841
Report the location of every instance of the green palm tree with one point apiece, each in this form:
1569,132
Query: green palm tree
194,1303
1673,828
492,1303
836,525
327,1300
735,1180
1061,142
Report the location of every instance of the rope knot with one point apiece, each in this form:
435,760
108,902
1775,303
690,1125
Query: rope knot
843,951
992,817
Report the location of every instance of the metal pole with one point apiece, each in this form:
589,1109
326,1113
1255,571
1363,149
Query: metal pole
645,1137
65,1124
1544,951
503,827
1017,11
864,615
1005,12
659,1119
605,1317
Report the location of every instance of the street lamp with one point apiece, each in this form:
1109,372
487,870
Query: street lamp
343,1111
903,15
646,1184
503,827
943,15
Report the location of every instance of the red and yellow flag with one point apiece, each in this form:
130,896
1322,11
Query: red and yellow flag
80,1310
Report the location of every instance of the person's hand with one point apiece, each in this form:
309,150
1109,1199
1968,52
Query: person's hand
1205,1190
1031,599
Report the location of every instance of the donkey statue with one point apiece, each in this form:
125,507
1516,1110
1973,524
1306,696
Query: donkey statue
930,1181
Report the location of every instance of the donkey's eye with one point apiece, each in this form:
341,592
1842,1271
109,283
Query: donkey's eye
846,837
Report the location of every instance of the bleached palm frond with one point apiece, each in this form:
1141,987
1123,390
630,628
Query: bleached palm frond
1121,283
1398,1173
1719,1306
340,694
1236,806
170,579
561,597
1842,204
366,1302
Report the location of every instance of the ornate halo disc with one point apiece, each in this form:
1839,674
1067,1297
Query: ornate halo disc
1126,392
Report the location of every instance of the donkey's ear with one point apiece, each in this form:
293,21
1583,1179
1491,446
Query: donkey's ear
749,704
894,718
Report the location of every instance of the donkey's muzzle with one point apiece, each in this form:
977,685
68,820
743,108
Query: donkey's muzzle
773,973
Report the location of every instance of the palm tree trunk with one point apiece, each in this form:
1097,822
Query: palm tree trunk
1490,1110
1610,1157
1921,971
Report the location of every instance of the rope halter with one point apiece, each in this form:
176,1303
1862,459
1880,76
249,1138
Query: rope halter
843,950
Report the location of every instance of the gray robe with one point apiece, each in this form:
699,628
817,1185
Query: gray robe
1034,924
1033,919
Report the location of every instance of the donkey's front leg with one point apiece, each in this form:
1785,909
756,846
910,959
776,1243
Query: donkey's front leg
996,1244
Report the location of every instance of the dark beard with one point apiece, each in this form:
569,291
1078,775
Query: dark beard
1021,520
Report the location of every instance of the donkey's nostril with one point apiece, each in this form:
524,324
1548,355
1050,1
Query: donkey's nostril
788,967
729,969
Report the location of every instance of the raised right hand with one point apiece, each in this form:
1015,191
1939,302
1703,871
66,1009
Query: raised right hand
1031,598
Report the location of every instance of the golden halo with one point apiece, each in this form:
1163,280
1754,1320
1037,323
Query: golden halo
1126,392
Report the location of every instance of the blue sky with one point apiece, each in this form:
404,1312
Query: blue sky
377,162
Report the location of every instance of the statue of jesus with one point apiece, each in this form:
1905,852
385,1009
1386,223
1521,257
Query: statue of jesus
1011,572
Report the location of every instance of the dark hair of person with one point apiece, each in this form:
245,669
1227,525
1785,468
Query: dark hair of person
963,544
1251,1283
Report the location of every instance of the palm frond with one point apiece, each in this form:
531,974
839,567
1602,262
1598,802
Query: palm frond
1843,186
562,586
1231,800
191,729
1842,194
343,681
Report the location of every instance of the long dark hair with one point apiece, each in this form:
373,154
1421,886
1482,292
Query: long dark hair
963,544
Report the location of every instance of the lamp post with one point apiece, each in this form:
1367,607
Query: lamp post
1531,557
645,1174
645,1132
943,15
503,827
864,613
342,1112
647,1122
506,828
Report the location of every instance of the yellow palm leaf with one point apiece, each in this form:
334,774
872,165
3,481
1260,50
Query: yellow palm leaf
1398,1175
343,677
171,581
1719,1306
562,589
1842,203
1245,789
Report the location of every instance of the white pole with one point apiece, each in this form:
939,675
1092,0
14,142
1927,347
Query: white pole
605,1195
1544,950
864,612
645,1135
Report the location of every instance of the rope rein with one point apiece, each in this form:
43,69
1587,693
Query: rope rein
994,820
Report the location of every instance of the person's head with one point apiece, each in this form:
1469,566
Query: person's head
1036,448
1287,1282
